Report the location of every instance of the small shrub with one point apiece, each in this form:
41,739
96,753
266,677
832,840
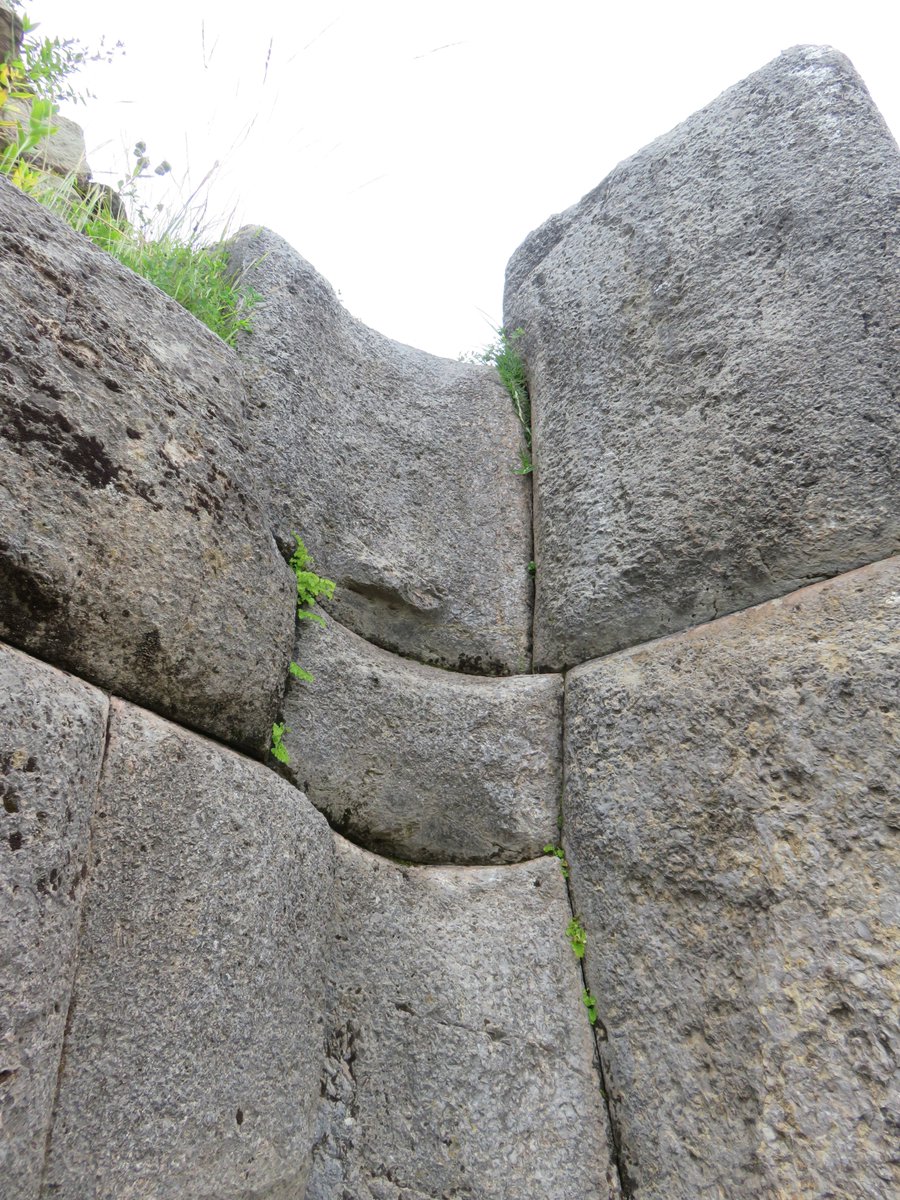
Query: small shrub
503,355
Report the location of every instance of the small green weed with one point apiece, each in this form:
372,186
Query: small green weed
590,1004
558,852
310,586
575,932
532,568
299,672
278,748
503,355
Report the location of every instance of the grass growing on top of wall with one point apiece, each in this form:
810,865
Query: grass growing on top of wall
168,249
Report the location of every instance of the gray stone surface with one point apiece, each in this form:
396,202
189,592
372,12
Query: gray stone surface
52,730
396,468
731,820
459,1052
10,30
195,1045
133,550
713,357
423,764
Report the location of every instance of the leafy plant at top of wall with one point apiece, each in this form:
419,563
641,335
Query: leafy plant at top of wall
166,247
502,354
310,587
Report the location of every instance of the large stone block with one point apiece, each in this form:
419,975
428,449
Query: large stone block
460,1059
396,467
195,1044
713,353
52,731
731,817
134,550
423,764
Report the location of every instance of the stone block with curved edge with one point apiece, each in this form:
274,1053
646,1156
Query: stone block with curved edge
133,547
52,731
731,827
422,764
713,353
395,466
460,1059
194,1047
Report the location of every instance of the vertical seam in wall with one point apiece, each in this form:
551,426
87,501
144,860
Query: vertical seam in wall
614,1135
70,1011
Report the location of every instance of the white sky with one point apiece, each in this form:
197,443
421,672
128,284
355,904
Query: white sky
407,148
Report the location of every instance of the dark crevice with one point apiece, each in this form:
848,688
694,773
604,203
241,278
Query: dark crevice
70,1011
598,1029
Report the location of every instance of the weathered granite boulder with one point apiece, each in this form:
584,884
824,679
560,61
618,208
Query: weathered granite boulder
52,731
195,1044
11,31
133,550
396,467
423,764
730,821
460,1058
714,361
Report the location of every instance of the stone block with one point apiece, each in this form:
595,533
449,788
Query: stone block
195,1044
423,764
460,1058
396,467
134,550
713,357
52,730
731,818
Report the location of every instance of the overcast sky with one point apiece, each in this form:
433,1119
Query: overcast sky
406,148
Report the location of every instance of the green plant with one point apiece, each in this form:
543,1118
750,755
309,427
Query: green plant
167,248
310,586
590,1004
575,932
278,748
502,354
558,852
532,568
299,672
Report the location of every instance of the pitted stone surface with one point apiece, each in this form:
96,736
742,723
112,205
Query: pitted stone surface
713,353
460,1058
195,1046
731,826
423,764
133,549
396,467
52,730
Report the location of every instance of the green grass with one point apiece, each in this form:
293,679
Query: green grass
168,249
503,355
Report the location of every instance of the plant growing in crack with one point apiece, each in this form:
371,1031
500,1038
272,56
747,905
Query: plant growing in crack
559,853
590,1004
577,936
310,587
503,355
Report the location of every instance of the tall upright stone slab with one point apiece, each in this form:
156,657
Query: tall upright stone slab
714,360
731,827
195,1043
133,547
396,467
52,731
460,1059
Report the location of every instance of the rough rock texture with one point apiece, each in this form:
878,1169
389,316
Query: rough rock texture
10,30
195,1045
52,730
731,817
460,1058
396,467
713,354
423,764
133,550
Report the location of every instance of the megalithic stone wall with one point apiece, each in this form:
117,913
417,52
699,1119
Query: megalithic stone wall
204,991
714,359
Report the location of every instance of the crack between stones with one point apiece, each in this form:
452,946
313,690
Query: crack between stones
70,1011
599,1028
